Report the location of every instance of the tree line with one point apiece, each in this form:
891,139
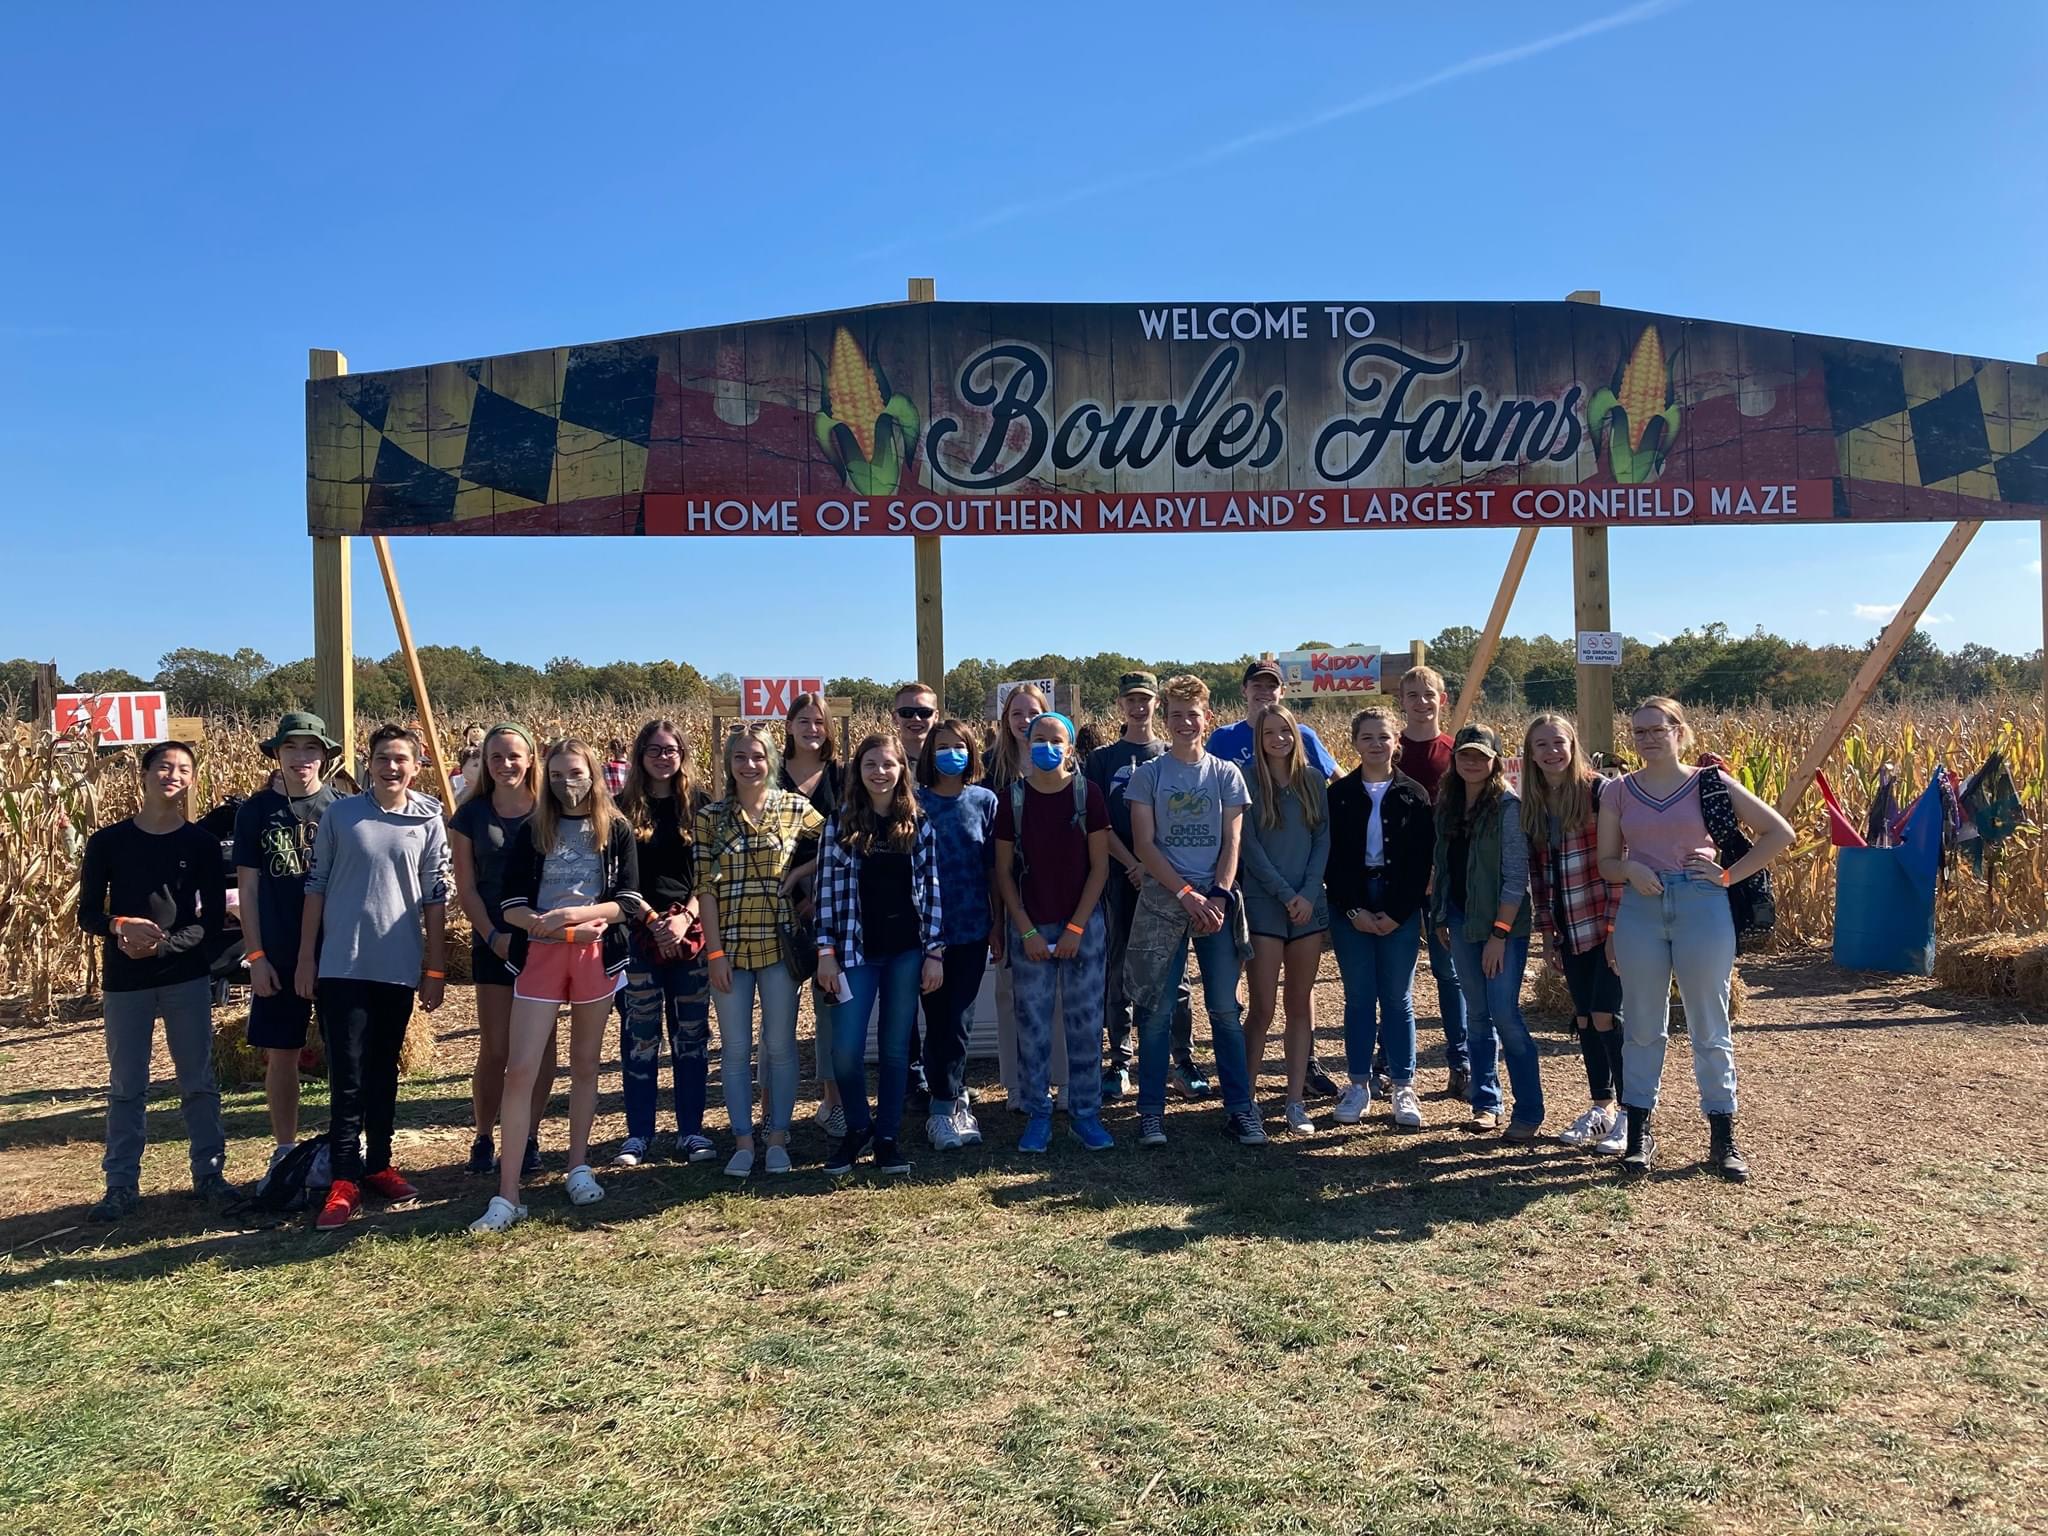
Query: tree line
1709,667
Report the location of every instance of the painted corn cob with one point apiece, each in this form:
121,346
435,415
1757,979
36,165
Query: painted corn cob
1635,418
867,431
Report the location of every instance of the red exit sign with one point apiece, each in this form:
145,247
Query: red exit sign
765,697
117,719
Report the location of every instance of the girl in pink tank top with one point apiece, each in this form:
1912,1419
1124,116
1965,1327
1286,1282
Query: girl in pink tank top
1666,832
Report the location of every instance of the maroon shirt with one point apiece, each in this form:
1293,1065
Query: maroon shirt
1426,767
1056,854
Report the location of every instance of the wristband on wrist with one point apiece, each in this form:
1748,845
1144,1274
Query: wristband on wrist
255,954
1077,930
1028,933
1502,929
716,954
1183,891
1724,878
436,975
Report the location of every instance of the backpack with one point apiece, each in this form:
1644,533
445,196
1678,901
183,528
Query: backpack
1080,782
287,1188
1752,904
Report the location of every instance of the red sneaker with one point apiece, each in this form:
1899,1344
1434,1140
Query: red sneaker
343,1200
390,1184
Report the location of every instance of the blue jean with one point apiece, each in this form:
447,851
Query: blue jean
675,991
1493,1014
186,1007
1688,933
1216,957
894,979
1378,972
1450,1002
1071,990
777,991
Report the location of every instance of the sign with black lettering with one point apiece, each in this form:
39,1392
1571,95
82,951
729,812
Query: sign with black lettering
971,419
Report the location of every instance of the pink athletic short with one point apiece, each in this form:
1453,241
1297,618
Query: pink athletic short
563,973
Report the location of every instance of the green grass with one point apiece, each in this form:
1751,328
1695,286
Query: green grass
1389,1336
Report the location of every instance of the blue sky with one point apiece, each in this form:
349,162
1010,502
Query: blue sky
194,202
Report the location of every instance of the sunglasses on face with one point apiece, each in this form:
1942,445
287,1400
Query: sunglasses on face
914,712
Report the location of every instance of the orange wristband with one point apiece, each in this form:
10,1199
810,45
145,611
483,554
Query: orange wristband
1182,892
255,954
716,954
1077,929
436,975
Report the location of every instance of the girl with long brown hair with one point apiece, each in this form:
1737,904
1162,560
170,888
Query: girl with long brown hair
1481,910
571,884
811,768
1575,908
879,938
1286,848
665,974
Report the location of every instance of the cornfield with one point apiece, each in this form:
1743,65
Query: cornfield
51,796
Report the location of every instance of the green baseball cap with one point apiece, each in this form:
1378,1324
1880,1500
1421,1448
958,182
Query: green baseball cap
1137,682
1480,738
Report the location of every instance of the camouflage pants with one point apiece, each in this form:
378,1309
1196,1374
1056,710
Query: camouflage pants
1159,929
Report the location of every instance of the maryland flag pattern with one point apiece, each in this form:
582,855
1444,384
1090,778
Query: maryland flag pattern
887,405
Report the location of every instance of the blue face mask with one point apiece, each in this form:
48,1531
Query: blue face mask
1047,755
951,761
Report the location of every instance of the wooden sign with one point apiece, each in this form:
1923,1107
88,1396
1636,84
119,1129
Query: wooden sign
971,419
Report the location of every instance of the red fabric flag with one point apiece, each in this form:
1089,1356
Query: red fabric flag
1841,831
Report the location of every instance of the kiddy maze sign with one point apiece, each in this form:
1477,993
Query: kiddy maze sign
1011,419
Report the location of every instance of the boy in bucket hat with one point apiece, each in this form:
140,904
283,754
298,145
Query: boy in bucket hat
273,845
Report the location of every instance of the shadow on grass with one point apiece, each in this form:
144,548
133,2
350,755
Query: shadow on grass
1364,1184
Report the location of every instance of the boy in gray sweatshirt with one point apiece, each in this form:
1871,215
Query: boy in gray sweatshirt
374,933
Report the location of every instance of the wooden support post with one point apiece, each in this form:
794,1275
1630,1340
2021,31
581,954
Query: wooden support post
334,652
42,693
2042,359
1489,639
1592,610
435,747
1590,600
1880,657
929,567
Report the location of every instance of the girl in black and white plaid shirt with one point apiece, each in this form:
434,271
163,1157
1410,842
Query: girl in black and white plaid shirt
879,936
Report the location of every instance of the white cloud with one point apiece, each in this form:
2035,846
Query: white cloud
1275,132
2034,567
1929,620
1657,637
1880,613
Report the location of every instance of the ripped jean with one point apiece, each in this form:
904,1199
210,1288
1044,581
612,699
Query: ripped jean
678,993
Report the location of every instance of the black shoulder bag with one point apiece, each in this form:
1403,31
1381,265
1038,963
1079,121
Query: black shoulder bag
1751,903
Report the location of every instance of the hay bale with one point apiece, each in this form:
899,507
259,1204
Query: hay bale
1544,995
237,1064
2009,966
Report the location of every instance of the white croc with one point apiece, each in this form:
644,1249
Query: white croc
498,1215
582,1187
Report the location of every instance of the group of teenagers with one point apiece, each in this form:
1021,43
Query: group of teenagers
888,878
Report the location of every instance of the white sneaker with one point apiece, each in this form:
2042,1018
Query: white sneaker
964,1124
1615,1141
1589,1127
498,1215
742,1163
1298,1120
1407,1107
778,1160
831,1119
630,1152
942,1133
1353,1104
582,1187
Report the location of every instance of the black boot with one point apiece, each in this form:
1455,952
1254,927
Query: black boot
1642,1145
1723,1156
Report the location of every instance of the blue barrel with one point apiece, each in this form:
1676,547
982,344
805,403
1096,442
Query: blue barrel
1883,920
